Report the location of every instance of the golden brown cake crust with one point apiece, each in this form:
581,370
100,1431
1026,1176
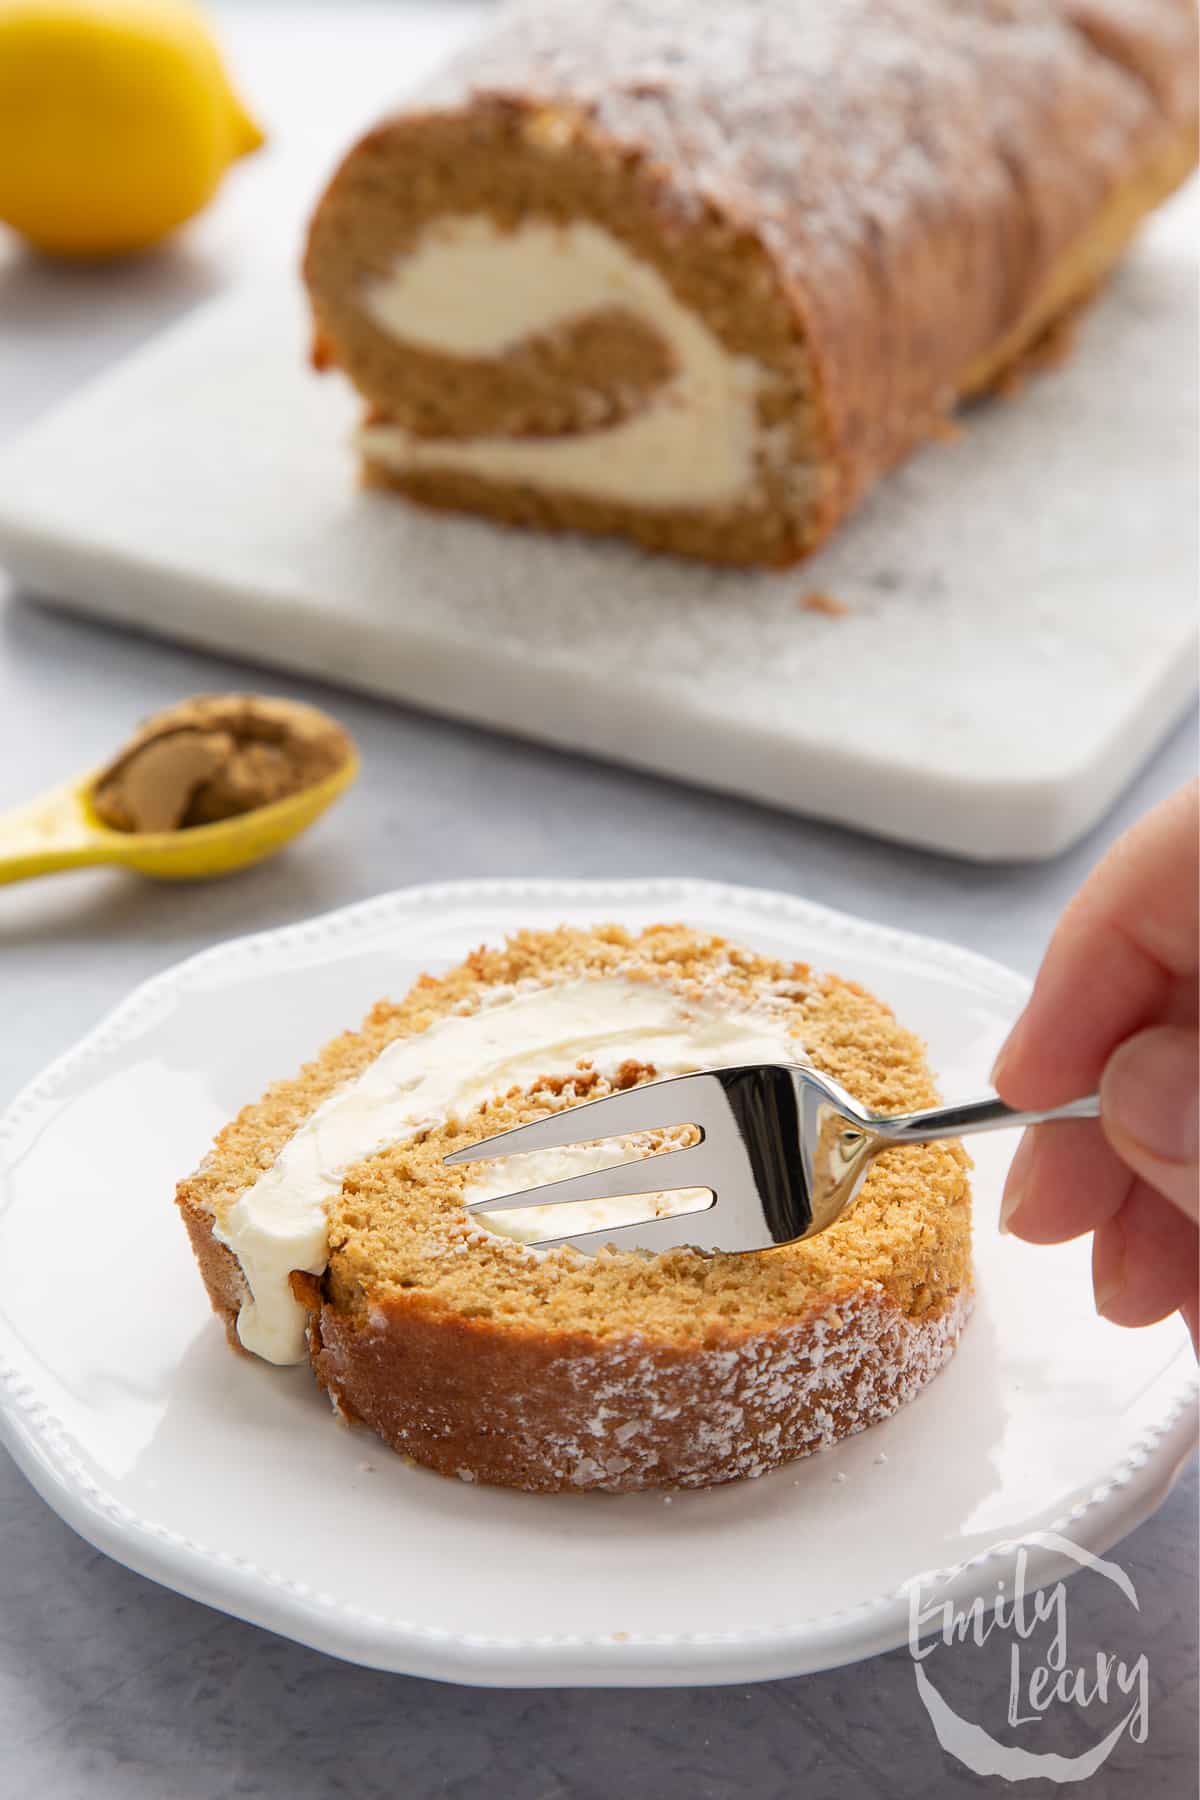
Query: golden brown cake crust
913,189
557,1413
481,1358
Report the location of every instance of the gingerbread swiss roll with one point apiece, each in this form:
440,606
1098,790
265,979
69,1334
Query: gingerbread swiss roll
701,271
329,1229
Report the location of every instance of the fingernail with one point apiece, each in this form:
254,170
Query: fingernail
1016,1186
1149,1094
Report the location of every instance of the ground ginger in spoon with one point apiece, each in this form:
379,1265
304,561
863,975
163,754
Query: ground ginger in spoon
215,757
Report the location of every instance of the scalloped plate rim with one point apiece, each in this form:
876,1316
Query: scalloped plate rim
42,1448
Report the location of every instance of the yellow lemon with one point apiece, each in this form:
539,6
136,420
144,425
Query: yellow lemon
117,121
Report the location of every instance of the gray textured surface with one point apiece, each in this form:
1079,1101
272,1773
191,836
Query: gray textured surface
112,1689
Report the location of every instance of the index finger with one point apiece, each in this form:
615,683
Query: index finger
1122,950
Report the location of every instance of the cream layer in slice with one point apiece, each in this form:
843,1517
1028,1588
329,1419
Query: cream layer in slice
513,1038
472,289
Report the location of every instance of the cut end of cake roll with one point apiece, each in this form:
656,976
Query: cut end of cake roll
329,1228
547,335
700,272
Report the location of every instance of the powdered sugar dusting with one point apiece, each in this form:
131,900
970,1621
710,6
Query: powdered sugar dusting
915,169
628,1416
754,1407
745,99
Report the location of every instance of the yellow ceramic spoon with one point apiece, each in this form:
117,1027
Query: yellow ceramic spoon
61,830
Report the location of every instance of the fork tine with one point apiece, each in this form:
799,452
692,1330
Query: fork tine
695,1230
656,1104
656,1174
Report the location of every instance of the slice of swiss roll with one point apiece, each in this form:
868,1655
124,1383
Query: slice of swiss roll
328,1227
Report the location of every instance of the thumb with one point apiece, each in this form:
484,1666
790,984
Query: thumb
1150,1108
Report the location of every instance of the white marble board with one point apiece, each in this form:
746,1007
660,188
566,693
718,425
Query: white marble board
1020,624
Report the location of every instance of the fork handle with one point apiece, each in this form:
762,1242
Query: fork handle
988,1114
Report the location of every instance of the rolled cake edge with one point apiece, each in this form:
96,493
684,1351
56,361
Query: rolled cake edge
1081,271
701,536
576,1414
220,1271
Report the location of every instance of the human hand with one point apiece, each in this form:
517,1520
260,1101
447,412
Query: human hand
1114,1008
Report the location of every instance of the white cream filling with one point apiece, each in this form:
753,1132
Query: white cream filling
517,1035
471,289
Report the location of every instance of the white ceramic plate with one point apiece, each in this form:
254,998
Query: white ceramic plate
229,1481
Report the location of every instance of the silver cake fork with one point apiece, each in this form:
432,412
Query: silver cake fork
783,1151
